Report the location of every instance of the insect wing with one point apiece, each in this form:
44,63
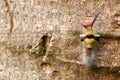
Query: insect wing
82,35
97,35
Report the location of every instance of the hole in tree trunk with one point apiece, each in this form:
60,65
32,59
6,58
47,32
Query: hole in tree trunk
46,41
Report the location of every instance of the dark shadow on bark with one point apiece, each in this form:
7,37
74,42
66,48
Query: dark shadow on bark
106,70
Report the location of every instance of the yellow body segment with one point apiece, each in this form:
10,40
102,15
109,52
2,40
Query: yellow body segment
89,42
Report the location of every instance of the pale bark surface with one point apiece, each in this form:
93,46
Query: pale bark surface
39,39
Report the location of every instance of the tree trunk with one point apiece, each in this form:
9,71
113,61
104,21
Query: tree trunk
39,39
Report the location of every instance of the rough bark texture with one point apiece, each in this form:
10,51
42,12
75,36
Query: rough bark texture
39,39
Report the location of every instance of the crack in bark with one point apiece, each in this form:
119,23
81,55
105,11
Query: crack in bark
10,15
110,36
